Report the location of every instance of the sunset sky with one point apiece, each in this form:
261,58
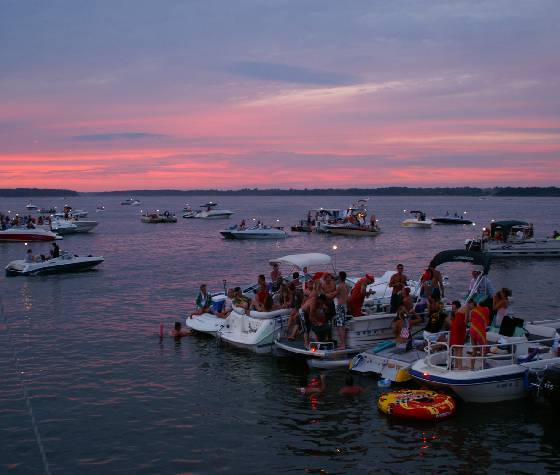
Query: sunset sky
111,95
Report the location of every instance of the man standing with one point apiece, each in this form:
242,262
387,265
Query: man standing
397,283
55,250
358,295
437,281
341,296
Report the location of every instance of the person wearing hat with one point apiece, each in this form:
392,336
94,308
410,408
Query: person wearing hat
480,287
358,295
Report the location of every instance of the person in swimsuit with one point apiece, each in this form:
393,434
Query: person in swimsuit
178,332
358,295
397,283
340,295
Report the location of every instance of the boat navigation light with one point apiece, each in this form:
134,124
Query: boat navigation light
277,220
25,244
335,247
404,210
474,224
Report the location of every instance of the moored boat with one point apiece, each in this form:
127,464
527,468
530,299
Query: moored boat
254,232
455,219
24,234
158,217
418,220
210,211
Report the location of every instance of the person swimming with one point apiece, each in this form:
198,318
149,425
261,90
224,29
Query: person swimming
350,389
178,332
316,386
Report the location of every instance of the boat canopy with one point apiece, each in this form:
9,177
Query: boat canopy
506,226
461,255
303,260
417,212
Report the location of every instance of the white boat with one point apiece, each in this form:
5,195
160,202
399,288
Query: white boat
130,202
513,239
418,220
347,229
30,206
65,263
72,225
210,212
255,332
496,376
99,209
24,234
317,218
254,232
205,323
158,217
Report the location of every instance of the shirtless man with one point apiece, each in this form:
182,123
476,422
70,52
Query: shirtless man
340,295
178,332
397,283
358,295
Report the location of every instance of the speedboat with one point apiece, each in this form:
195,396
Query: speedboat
65,263
455,219
130,202
72,225
47,210
159,217
317,218
348,229
99,209
30,206
24,234
513,239
498,372
210,212
254,232
418,220
255,332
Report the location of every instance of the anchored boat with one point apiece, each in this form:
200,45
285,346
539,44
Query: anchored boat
65,263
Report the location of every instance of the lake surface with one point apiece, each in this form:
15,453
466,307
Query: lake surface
108,396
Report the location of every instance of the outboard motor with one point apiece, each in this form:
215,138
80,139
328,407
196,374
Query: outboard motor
545,383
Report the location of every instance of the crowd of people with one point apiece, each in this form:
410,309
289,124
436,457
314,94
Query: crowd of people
7,221
31,258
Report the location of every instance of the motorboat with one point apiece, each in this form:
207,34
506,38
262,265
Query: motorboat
348,229
449,219
188,212
68,212
47,210
254,232
209,211
130,202
24,234
418,220
498,370
158,217
317,218
65,263
513,239
30,206
256,331
71,225
393,361
99,209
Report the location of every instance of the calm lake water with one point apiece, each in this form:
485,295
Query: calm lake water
108,397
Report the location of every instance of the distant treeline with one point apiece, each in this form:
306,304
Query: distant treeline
387,191
7,192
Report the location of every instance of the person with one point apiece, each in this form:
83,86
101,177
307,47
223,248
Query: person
436,320
242,225
500,305
258,303
178,332
239,300
316,386
555,235
437,281
477,331
350,389
55,252
358,295
228,304
408,302
481,288
29,257
340,295
458,332
318,318
275,277
397,283
203,301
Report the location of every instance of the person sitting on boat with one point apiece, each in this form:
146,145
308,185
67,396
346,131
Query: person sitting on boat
261,295
328,284
478,317
500,305
296,281
239,300
358,295
55,251
228,304
29,257
436,320
350,389
458,330
284,297
178,332
203,301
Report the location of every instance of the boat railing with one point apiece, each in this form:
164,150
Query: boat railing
480,357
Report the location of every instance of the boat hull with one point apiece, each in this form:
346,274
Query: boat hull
205,323
52,266
233,234
451,220
27,236
347,231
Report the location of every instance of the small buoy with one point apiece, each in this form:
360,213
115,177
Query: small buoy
384,383
417,404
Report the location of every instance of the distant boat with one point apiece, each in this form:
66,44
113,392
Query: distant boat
130,202
30,206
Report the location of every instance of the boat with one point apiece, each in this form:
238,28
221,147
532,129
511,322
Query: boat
130,202
159,217
353,223
68,212
47,210
418,220
30,206
348,229
499,374
455,219
254,232
545,383
393,362
65,263
99,209
71,225
24,234
210,212
513,239
317,218
255,332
